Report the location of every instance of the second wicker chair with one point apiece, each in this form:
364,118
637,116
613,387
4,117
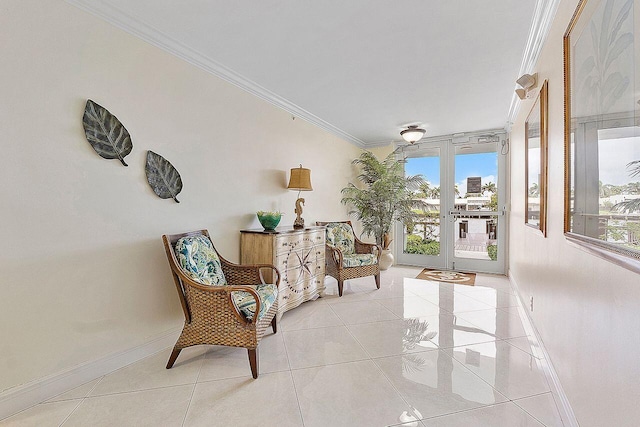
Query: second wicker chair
347,257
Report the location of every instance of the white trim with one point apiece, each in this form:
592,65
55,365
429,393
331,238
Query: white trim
27,395
153,36
543,15
562,402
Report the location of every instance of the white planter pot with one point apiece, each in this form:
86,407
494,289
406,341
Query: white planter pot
386,259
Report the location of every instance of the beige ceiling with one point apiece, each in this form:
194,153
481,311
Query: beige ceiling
362,69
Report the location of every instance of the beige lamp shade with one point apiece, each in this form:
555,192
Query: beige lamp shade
300,179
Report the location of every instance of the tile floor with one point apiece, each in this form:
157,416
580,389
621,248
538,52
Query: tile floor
414,353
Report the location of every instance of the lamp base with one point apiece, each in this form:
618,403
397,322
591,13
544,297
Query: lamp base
299,221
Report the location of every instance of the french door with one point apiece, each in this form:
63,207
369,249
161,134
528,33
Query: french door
463,225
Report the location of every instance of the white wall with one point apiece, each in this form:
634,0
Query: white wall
586,309
83,269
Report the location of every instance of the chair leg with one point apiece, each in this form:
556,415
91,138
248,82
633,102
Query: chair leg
254,361
174,355
378,280
274,324
340,284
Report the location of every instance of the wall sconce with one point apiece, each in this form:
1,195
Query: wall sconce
526,83
300,179
412,134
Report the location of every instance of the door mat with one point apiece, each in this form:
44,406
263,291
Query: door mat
447,276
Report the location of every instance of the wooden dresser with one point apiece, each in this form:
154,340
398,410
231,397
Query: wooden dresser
297,253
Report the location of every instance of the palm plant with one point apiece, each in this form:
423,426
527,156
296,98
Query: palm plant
388,195
489,187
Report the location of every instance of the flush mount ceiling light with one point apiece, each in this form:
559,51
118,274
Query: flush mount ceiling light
412,134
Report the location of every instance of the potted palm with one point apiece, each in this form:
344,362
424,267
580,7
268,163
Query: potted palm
385,195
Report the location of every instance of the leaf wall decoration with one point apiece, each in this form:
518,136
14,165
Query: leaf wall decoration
163,178
105,132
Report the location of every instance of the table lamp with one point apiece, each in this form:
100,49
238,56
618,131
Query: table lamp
300,179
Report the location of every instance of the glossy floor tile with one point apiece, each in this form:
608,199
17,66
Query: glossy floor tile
543,408
413,353
145,375
409,306
394,337
505,414
77,393
506,368
352,394
231,362
43,415
309,315
496,322
245,402
355,312
322,346
164,406
434,383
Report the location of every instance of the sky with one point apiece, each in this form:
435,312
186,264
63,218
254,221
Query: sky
613,157
484,165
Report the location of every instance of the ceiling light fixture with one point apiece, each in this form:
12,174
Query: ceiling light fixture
412,134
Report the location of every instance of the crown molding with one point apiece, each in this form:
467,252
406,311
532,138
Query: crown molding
155,37
543,14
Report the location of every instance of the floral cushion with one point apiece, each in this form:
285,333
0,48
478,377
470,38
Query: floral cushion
358,260
340,236
247,304
199,260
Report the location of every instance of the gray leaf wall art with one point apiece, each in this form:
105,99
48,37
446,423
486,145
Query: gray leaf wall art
105,132
163,178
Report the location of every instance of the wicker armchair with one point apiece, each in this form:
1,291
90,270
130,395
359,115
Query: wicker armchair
217,315
347,257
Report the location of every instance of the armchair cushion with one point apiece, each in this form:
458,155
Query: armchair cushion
358,260
245,302
199,260
340,236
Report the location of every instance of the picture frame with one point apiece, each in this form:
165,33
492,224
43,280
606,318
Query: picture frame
536,162
602,130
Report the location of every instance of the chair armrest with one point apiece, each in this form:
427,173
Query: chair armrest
238,274
216,291
250,290
334,254
367,248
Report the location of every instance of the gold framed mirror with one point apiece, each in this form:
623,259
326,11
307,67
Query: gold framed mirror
602,130
535,153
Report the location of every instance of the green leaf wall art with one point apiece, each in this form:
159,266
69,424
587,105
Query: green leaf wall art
163,178
105,132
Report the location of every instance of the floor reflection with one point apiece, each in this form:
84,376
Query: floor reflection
470,347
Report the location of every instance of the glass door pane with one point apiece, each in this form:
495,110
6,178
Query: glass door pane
475,216
421,243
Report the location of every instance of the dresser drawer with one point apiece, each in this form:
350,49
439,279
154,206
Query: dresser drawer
299,257
287,243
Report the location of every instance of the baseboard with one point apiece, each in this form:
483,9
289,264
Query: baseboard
27,395
562,402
